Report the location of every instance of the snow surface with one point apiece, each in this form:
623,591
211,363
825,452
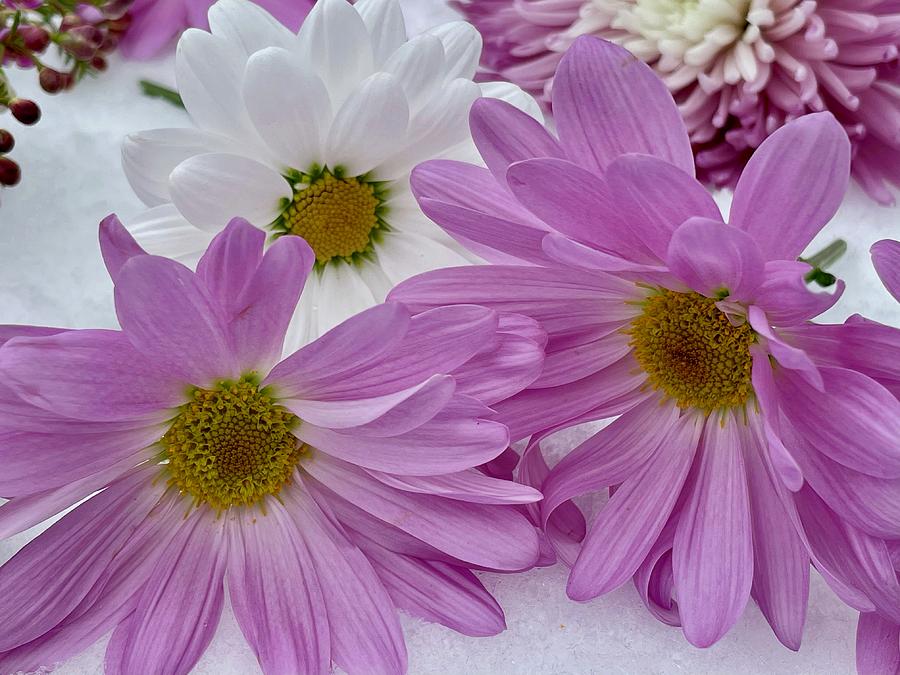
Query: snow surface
51,273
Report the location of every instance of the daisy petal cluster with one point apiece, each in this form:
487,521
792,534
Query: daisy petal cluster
313,135
739,69
750,443
155,23
325,490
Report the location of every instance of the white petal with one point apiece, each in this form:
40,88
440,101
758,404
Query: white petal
342,294
249,26
462,48
384,19
375,278
419,66
163,231
514,95
438,128
335,42
209,71
288,105
210,190
403,255
369,126
148,158
304,326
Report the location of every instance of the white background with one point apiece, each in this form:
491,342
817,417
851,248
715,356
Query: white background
51,273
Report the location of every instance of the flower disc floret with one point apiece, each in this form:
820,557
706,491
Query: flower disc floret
692,352
337,215
231,446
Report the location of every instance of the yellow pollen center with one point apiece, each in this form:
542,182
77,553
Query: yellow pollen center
692,352
336,216
231,446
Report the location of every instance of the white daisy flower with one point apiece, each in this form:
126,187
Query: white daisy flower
314,135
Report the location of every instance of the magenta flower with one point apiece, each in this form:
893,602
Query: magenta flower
325,489
739,70
751,442
886,258
156,23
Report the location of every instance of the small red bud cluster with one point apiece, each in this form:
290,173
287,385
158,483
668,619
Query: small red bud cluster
84,32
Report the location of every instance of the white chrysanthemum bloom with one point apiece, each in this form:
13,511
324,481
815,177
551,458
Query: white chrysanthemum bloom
314,135
716,41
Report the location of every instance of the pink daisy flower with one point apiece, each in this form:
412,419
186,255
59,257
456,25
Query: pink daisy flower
751,442
325,490
739,70
156,23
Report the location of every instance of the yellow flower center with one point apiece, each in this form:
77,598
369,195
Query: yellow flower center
231,446
337,216
692,352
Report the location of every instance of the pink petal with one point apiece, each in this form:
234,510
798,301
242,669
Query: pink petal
869,347
783,463
438,340
465,486
468,186
112,598
267,303
886,258
791,358
365,631
353,346
575,202
497,537
153,28
877,645
437,592
116,245
505,135
654,580
497,240
870,504
386,415
561,300
712,558
90,375
35,462
537,409
781,563
505,370
51,575
858,562
169,316
786,298
446,444
608,103
274,590
654,197
716,259
610,456
21,513
573,363
178,610
628,525
793,185
855,422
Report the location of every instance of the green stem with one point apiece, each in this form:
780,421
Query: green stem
823,260
155,90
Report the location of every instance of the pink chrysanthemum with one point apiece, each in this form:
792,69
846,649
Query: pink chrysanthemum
751,442
156,23
739,69
324,490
